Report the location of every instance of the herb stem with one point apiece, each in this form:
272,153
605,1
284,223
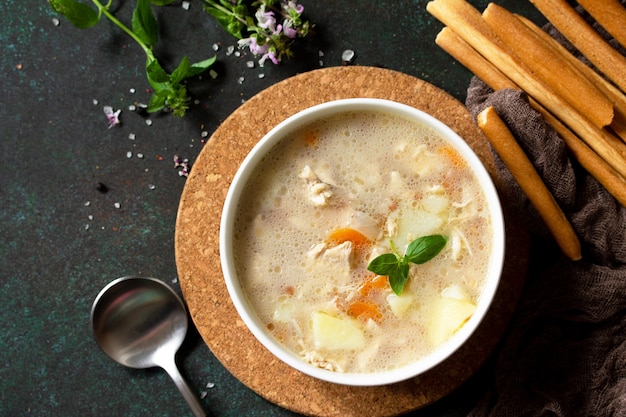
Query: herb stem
225,10
104,9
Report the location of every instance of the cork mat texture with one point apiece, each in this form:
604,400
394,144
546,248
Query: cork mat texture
198,262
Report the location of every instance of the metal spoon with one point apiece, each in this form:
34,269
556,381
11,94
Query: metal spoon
141,323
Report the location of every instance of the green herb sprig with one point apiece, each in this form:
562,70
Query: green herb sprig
396,266
168,90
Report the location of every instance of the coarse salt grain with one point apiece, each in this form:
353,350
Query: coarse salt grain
186,5
149,122
140,155
216,47
250,64
347,56
129,154
117,205
131,136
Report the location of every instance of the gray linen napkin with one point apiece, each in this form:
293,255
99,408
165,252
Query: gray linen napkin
565,352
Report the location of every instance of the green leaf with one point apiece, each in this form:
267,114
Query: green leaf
180,73
230,17
396,267
79,14
200,67
157,102
186,70
384,264
156,74
425,248
398,278
144,23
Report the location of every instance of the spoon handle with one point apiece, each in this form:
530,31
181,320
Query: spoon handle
184,388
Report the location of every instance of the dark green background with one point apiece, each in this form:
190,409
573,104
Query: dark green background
56,147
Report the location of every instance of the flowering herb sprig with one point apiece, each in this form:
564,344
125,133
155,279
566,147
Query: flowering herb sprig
267,27
169,92
396,266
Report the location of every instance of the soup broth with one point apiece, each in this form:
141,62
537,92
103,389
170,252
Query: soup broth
326,202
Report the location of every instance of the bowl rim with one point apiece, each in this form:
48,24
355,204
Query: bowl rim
239,298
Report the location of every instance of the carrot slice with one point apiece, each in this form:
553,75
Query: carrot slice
364,310
452,155
374,282
310,138
345,234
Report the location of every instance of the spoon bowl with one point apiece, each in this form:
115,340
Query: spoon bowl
141,323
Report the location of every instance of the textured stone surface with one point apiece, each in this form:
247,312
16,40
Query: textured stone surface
61,240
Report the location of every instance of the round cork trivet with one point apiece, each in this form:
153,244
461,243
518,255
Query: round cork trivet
198,261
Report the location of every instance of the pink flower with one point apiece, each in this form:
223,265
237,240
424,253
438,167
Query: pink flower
254,46
112,116
266,19
290,32
272,56
292,5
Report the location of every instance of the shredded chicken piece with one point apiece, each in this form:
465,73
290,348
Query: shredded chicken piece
337,260
316,359
392,224
319,191
459,242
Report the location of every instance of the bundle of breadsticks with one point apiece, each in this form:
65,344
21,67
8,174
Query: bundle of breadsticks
557,133
587,109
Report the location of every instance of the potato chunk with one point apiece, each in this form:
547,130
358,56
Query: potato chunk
399,304
416,223
449,315
330,332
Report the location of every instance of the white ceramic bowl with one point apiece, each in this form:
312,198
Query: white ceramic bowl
239,298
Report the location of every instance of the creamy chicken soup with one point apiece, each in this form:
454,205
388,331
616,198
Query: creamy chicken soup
333,197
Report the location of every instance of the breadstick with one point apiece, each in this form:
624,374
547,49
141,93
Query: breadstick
483,69
467,22
463,52
567,21
613,93
610,14
547,65
529,181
